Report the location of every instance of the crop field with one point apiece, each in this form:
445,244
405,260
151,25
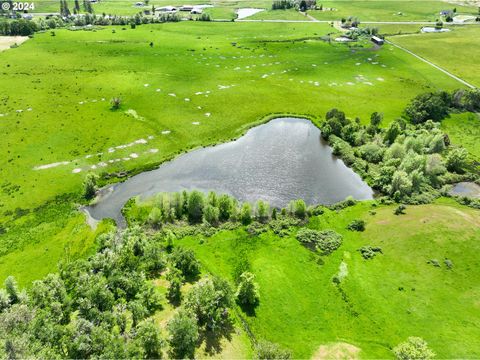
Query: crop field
379,302
198,84
456,51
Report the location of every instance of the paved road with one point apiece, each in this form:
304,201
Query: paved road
432,64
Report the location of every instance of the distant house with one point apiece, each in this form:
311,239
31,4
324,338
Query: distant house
377,40
139,4
186,8
446,12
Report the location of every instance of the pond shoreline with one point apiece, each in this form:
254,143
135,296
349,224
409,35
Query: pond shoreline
283,160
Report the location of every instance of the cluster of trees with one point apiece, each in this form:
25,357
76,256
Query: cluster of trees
349,22
211,209
103,306
282,4
20,27
302,5
404,161
23,27
361,32
323,241
437,105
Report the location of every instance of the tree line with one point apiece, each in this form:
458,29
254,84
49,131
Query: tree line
213,209
411,159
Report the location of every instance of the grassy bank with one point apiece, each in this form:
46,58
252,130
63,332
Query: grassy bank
302,309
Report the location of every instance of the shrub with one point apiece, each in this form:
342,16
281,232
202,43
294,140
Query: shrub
185,261
262,211
269,351
298,208
175,278
184,335
457,160
155,217
195,206
412,349
369,252
246,214
356,225
247,291
90,186
325,241
211,214
209,299
400,210
372,152
116,102
255,228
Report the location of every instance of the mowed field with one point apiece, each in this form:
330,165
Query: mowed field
200,83
457,51
380,302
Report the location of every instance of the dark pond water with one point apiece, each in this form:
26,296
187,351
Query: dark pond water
282,160
468,189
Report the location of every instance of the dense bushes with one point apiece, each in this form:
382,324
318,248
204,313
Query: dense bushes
413,348
435,106
407,162
325,241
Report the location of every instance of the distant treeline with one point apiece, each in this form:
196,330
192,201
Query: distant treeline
24,27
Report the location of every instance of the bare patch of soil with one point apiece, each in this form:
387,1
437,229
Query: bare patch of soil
7,41
339,350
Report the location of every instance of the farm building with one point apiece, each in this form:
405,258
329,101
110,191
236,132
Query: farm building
186,8
377,40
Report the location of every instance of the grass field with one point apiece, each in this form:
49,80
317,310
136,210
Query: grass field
57,124
464,129
388,10
386,299
457,51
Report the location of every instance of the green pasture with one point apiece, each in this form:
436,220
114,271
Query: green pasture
381,301
288,14
387,10
456,51
213,80
464,129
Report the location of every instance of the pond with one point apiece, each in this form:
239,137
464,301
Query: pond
246,12
282,160
468,189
